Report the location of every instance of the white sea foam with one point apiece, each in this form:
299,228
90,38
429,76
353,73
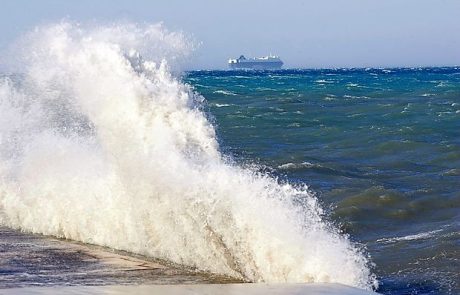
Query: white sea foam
222,105
442,84
419,236
225,92
100,145
297,165
352,85
294,125
322,81
329,98
354,96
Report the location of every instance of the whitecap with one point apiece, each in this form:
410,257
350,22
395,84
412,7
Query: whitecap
419,236
221,105
225,92
301,165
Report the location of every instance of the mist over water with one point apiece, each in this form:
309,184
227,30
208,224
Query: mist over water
101,143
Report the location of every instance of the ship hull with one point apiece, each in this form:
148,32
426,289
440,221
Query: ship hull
256,66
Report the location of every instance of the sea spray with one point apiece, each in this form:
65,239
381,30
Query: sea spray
100,143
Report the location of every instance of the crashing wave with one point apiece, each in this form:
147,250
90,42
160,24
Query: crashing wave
102,146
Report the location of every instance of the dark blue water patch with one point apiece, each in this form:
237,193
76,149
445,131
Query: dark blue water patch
399,287
379,147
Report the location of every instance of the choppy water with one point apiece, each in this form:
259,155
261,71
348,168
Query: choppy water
380,147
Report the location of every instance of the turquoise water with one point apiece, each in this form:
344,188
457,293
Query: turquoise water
379,147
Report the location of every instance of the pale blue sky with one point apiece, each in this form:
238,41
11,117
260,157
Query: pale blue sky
326,33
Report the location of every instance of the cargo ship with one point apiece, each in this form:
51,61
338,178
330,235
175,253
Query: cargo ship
256,63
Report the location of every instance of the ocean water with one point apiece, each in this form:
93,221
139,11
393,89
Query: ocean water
339,176
380,148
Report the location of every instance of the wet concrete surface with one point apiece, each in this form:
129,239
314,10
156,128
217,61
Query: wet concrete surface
201,289
28,260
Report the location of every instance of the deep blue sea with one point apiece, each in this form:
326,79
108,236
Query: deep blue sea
379,147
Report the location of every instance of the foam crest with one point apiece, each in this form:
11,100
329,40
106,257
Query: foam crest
100,143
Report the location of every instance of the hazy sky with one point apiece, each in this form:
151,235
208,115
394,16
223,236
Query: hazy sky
321,33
